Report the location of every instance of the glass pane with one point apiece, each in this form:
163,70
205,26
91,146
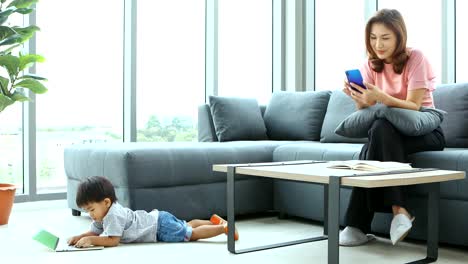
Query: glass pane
338,48
245,48
462,41
84,69
423,34
171,69
11,146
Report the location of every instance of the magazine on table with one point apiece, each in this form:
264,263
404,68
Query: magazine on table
368,165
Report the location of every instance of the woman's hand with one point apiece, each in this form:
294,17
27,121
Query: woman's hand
369,96
352,93
346,89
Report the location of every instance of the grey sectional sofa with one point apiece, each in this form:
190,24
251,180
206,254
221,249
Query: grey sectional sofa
178,177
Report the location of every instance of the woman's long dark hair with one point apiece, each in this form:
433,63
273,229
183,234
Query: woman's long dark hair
393,20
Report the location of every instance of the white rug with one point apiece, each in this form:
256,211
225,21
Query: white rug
16,245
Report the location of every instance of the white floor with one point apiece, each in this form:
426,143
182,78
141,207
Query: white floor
16,245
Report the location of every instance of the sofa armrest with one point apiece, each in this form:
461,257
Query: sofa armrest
206,129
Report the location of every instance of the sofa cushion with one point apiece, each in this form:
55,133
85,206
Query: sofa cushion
413,123
237,118
408,122
357,124
317,151
453,98
339,107
296,115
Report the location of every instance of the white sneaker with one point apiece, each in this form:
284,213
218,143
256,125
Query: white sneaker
401,225
351,237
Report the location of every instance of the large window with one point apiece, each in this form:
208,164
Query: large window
11,146
424,32
170,69
462,41
245,48
83,51
339,41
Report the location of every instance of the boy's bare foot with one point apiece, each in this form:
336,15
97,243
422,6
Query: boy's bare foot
217,220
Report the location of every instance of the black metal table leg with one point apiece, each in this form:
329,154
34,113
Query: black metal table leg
432,224
231,173
230,208
325,210
433,221
333,220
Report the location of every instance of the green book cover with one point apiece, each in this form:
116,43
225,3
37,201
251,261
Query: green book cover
47,239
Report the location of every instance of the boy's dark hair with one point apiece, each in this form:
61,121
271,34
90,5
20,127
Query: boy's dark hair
94,189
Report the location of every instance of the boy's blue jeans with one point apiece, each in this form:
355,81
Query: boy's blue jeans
171,229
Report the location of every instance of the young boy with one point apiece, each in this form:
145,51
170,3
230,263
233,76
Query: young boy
113,224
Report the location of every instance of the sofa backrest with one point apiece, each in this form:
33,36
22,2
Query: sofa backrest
453,98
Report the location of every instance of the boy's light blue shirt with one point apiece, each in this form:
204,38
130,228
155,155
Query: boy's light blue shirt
130,226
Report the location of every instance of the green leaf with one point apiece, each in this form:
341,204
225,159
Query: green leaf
32,76
26,32
5,14
28,60
6,32
4,85
12,40
11,63
19,95
22,3
24,11
33,85
21,35
5,101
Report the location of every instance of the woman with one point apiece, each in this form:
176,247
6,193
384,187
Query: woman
396,76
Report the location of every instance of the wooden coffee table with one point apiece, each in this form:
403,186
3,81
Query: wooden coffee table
333,179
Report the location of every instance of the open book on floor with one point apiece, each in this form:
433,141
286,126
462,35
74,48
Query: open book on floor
57,244
368,165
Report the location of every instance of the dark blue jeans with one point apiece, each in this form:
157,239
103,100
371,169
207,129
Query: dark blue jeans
386,144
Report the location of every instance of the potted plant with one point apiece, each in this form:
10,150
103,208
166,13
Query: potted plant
14,79
7,196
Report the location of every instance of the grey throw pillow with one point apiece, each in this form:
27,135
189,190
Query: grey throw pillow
413,123
296,115
237,118
339,108
453,98
358,123
408,122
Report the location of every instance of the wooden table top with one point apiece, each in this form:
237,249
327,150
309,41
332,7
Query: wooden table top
319,173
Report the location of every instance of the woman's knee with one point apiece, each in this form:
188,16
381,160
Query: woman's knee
381,127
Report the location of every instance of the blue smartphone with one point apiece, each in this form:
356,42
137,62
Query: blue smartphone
354,76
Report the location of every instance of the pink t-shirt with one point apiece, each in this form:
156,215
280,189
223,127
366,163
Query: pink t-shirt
416,74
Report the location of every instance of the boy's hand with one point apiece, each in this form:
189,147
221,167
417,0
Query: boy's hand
72,240
84,242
